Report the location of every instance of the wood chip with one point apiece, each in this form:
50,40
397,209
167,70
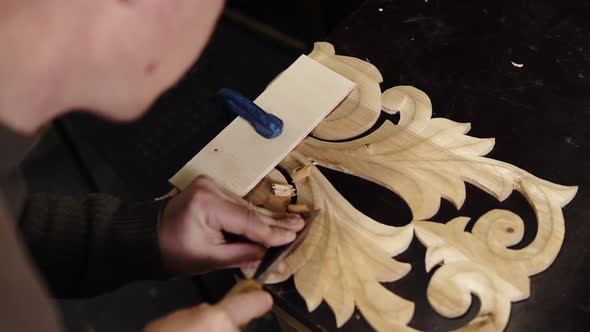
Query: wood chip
283,190
280,186
301,173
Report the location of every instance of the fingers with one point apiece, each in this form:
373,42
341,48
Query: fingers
250,265
242,308
228,315
291,221
236,254
203,317
207,182
280,267
243,221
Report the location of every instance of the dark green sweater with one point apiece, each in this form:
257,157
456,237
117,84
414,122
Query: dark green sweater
87,245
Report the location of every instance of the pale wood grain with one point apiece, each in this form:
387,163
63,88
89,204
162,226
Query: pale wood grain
423,160
360,110
238,158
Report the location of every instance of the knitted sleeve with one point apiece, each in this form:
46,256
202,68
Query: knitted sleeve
91,244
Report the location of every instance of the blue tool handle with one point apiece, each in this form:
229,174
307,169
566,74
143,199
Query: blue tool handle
266,125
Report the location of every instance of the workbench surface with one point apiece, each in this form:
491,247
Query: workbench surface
466,56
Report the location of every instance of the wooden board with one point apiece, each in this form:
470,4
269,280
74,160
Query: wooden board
238,158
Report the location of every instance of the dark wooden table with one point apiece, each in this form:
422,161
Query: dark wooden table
459,53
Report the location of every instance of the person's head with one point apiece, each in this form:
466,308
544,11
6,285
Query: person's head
111,57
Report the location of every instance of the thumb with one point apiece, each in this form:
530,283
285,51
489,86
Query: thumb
242,308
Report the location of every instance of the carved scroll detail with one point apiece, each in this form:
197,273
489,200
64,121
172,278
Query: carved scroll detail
422,159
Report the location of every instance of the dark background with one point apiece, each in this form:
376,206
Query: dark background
458,52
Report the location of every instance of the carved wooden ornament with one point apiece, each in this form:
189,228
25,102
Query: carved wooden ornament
422,159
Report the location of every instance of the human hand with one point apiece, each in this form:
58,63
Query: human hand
228,315
193,224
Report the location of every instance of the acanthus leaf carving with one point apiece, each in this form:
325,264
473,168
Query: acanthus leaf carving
346,256
422,159
352,256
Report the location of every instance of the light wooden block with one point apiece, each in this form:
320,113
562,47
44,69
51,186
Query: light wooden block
238,158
